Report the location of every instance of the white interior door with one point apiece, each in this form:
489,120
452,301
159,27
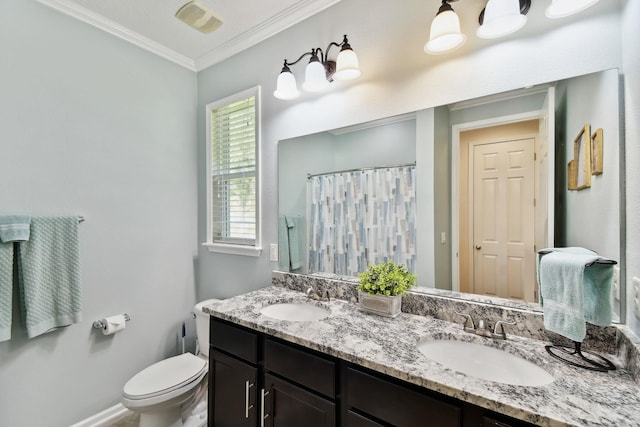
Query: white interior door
502,193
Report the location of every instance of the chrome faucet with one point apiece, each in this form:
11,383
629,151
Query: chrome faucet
311,293
483,328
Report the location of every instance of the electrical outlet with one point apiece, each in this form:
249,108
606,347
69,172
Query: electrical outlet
273,252
636,296
615,286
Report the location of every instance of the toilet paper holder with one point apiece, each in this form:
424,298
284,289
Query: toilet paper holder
99,324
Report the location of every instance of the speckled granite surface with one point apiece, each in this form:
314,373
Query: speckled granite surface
577,397
443,305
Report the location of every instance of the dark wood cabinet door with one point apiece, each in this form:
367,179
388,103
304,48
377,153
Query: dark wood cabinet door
232,392
286,405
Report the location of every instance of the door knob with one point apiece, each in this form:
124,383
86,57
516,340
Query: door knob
478,247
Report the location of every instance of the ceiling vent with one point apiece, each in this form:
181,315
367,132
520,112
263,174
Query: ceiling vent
199,17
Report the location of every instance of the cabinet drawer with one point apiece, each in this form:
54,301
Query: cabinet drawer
357,420
397,405
287,405
234,340
301,367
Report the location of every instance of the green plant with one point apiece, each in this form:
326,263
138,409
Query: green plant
386,278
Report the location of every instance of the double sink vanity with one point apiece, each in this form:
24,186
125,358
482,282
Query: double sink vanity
280,358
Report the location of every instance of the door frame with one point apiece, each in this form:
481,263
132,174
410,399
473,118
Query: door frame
455,178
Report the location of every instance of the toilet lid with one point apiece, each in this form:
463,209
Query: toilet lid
164,376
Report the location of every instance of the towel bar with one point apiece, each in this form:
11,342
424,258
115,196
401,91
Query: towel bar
603,261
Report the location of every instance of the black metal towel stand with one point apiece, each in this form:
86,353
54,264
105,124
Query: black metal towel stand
576,356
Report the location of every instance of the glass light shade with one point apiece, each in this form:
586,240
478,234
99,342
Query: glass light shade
445,34
347,67
562,8
286,87
315,77
501,18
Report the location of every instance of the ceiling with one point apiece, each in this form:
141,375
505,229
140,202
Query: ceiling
151,24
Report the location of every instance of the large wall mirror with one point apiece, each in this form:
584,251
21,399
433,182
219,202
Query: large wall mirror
492,180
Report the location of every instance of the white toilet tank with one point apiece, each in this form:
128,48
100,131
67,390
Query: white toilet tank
202,326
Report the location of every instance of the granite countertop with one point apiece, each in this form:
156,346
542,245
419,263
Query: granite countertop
577,397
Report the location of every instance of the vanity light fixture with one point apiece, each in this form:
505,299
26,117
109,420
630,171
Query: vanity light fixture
562,8
502,17
445,34
320,70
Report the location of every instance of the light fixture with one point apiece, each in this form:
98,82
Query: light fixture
562,8
502,17
320,70
445,34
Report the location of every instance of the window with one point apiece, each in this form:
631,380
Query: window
233,129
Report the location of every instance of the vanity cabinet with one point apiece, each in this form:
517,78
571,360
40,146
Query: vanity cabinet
259,381
233,376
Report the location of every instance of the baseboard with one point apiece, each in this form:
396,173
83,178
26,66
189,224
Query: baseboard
106,417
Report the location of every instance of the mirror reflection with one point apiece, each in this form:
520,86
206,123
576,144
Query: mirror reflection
491,185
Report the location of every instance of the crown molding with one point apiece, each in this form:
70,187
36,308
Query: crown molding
85,15
373,123
277,23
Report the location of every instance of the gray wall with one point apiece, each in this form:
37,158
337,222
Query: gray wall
92,125
591,216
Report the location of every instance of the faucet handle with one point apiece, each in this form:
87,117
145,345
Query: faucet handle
501,323
467,318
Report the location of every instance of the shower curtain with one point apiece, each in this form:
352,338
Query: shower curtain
361,217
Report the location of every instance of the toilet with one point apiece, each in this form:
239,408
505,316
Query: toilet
164,391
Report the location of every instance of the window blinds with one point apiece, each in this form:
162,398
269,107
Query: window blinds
233,172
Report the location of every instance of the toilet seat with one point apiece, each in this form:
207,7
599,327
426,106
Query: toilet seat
164,380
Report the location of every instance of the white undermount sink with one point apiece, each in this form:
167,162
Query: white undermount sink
297,312
485,362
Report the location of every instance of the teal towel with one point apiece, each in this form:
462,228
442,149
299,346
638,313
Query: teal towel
14,228
283,244
49,276
290,241
6,289
572,293
293,231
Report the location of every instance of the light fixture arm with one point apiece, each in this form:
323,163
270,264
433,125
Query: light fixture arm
525,5
323,57
344,67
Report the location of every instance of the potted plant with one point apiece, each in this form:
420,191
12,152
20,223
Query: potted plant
381,287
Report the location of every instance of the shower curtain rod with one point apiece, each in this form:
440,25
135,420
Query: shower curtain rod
361,169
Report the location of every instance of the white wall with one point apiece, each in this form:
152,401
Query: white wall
631,69
397,78
92,125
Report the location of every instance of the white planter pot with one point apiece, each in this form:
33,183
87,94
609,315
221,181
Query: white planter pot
381,305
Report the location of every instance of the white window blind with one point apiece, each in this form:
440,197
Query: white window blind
233,152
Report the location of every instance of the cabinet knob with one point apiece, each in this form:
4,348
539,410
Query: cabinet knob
478,247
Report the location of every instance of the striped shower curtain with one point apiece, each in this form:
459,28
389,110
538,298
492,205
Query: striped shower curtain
360,218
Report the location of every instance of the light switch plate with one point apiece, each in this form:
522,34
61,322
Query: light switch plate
273,252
